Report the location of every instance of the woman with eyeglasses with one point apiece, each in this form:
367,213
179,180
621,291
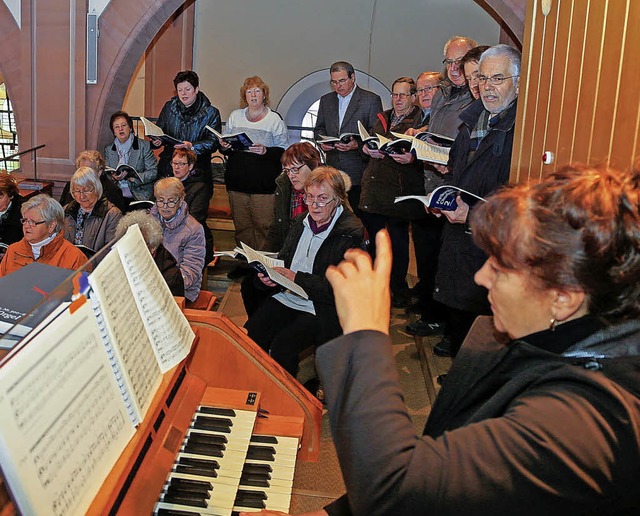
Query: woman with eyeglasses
90,220
197,196
182,235
250,174
297,163
388,176
10,203
96,162
285,323
128,149
42,222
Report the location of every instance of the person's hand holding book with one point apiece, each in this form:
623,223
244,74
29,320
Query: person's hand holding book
443,169
258,148
460,214
374,153
345,147
404,159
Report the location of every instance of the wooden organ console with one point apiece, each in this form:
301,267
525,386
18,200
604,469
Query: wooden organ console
229,372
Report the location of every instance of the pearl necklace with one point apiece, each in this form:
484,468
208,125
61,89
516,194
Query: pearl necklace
256,117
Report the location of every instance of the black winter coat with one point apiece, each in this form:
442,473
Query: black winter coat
383,180
188,124
10,226
484,173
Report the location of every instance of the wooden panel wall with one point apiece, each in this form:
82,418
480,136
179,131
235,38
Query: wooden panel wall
579,86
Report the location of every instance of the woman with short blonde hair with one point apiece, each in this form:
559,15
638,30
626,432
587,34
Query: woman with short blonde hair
182,235
251,173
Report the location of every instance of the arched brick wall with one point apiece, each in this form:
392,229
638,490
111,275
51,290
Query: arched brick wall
126,30
10,59
510,14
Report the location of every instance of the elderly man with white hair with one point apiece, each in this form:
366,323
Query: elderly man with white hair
479,162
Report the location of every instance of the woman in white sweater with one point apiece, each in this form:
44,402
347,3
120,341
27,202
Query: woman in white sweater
251,173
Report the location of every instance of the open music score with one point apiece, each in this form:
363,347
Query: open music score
57,450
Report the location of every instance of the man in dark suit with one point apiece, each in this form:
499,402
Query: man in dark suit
338,113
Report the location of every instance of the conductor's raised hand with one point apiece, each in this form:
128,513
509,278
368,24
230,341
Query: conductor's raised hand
361,289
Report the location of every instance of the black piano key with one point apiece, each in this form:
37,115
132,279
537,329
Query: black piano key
261,453
217,411
213,424
246,493
265,439
257,468
203,485
198,437
175,512
204,449
202,494
194,470
192,461
254,481
194,466
253,499
185,500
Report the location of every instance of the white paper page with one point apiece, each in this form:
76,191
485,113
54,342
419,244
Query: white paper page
63,423
126,331
253,255
167,327
270,263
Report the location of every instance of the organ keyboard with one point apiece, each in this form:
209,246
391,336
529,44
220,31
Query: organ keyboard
227,388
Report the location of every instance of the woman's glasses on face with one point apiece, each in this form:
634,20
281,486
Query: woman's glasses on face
170,203
320,202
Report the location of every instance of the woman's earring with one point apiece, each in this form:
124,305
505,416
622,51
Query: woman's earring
552,324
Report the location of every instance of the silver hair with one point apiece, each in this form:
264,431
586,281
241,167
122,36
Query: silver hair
170,186
469,41
50,209
86,177
149,227
510,53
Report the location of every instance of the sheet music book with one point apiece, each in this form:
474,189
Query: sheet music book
151,130
264,264
444,198
124,335
70,397
426,151
64,423
238,141
168,329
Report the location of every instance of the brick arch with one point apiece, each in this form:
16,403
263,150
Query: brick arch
10,58
126,30
509,14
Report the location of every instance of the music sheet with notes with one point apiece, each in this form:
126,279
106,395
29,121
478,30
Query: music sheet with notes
167,327
128,343
64,423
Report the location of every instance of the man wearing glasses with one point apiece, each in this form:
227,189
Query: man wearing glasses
453,97
479,162
339,113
